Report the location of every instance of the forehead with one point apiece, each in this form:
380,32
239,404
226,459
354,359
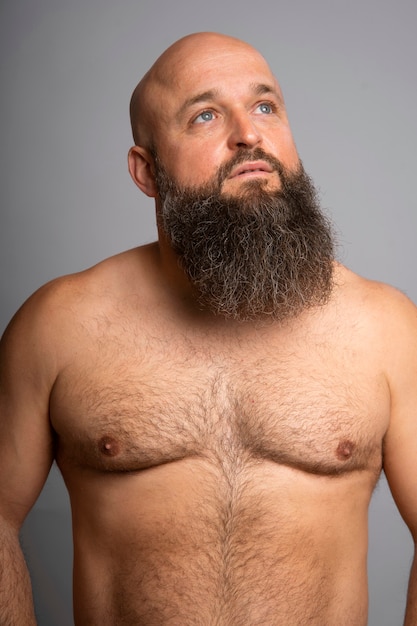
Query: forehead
230,68
215,60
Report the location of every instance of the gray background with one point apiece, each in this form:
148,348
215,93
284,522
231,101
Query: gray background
348,70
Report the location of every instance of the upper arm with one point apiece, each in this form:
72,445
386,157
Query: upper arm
400,450
26,443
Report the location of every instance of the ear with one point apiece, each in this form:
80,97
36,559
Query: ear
140,165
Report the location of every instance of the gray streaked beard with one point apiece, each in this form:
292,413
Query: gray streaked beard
256,254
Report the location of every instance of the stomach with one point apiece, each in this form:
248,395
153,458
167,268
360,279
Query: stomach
182,545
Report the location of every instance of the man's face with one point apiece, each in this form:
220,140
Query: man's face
232,198
251,252
218,101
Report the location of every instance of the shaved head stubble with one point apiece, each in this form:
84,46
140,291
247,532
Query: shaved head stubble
254,254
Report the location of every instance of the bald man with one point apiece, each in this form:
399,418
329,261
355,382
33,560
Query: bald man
221,402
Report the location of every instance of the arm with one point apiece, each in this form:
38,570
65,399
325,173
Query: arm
400,457
26,451
16,606
411,611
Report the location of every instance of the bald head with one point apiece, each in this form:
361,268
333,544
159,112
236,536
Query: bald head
173,68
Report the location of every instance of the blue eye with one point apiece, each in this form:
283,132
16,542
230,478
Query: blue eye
265,108
205,116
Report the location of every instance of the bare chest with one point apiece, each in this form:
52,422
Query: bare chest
312,409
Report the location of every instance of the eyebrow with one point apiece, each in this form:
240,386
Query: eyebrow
262,89
258,89
205,96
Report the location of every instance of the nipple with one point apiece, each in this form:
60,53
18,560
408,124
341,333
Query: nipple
345,450
108,446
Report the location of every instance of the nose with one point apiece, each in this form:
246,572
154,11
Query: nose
243,131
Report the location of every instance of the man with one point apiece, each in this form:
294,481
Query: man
220,403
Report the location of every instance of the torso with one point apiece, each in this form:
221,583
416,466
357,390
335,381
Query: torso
220,478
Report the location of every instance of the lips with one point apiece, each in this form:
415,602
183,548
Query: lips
251,167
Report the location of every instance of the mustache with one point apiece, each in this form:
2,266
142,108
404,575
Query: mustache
245,155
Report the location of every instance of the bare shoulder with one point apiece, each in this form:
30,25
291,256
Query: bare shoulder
385,312
372,294
57,312
110,279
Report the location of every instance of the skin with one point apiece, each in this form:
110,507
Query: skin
219,472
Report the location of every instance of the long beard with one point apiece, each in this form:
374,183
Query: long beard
254,255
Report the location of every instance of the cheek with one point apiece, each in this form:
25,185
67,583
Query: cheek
290,154
195,165
280,143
